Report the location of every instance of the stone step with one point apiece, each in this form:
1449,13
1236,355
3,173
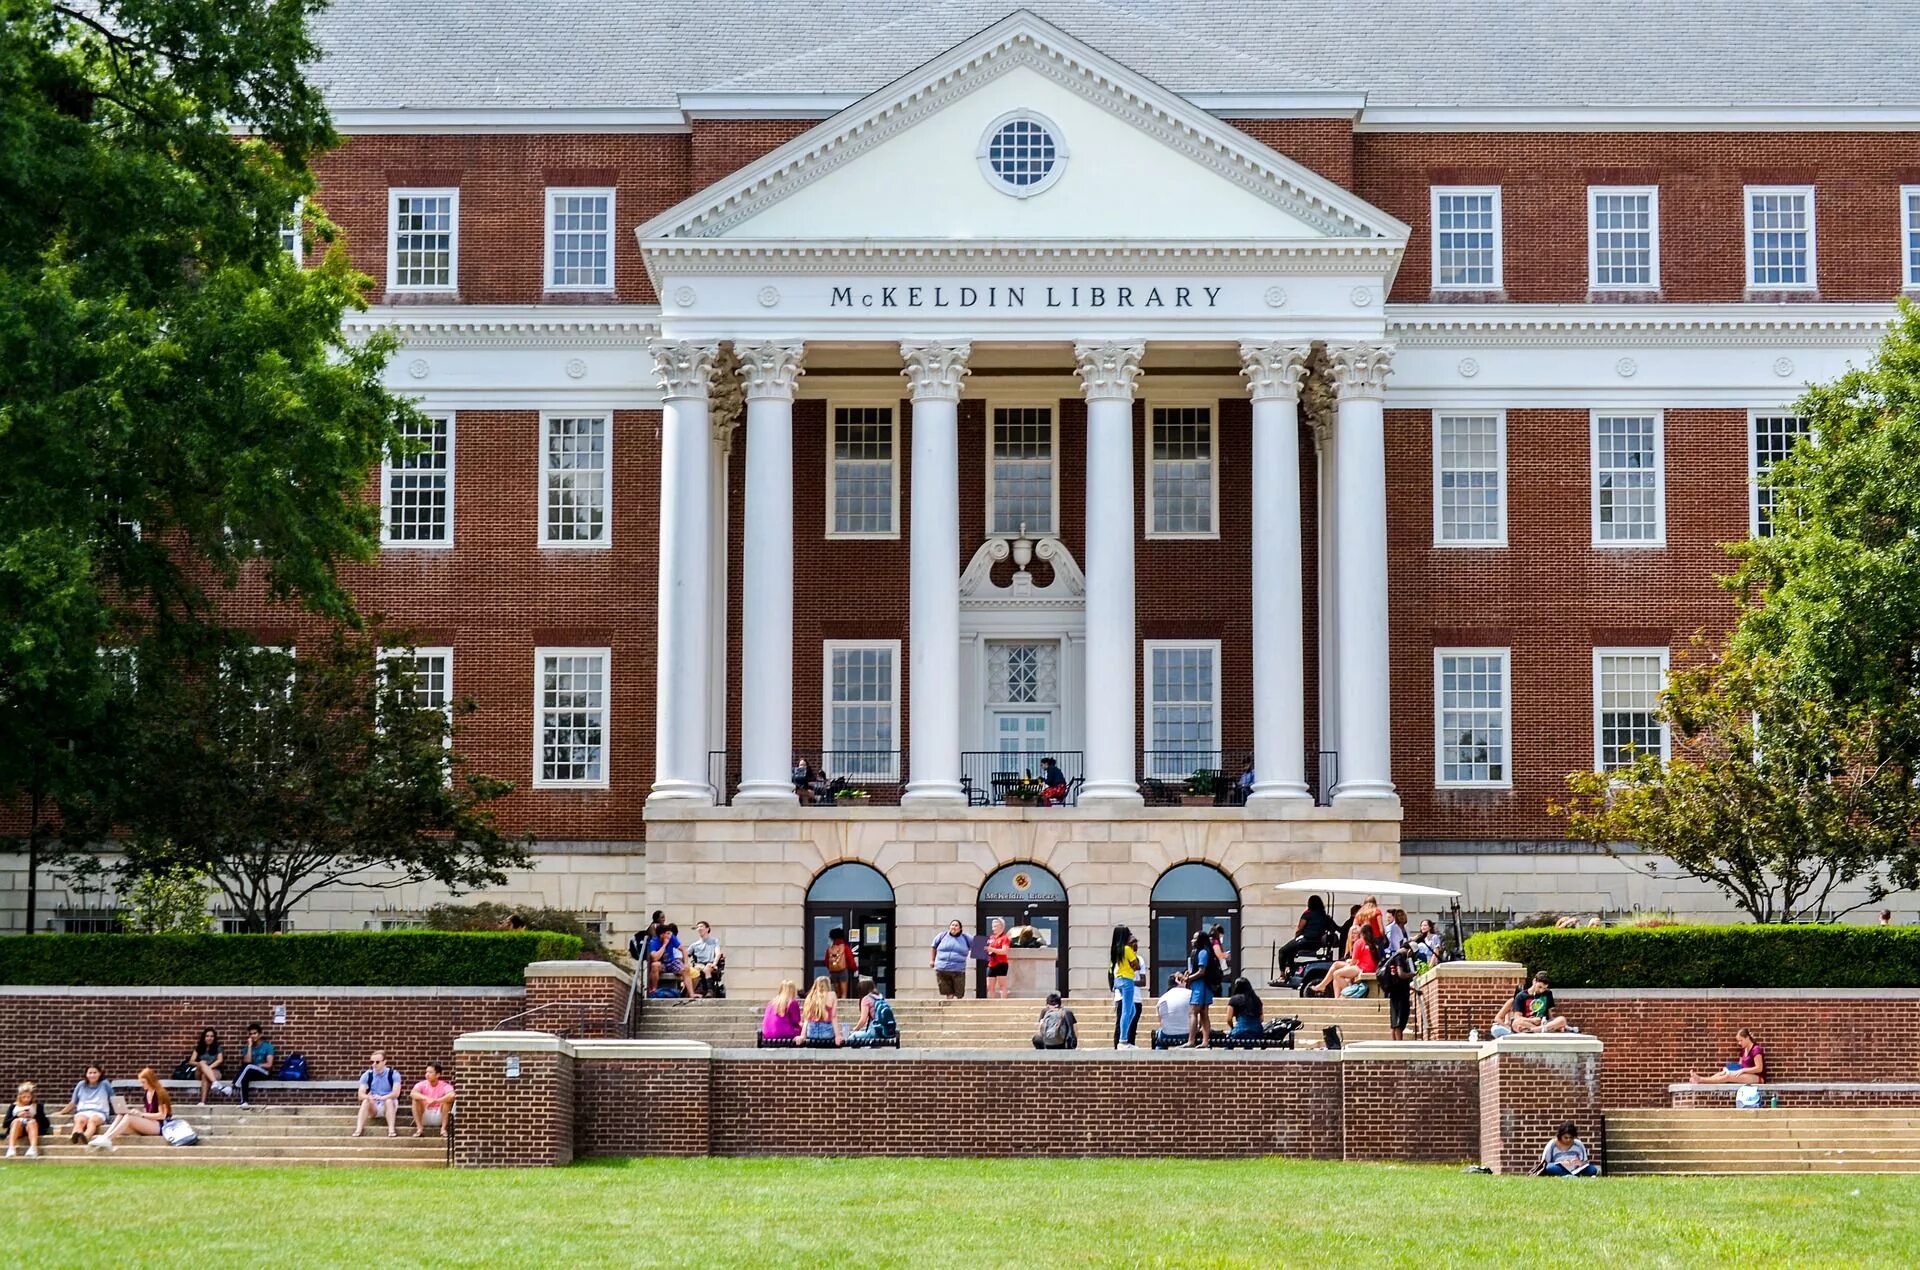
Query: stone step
1790,1165
190,1156
219,1149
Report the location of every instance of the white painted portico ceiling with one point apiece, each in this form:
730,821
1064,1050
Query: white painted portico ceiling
629,54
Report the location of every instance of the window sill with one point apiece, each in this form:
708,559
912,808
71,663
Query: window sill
422,295
1782,295
1625,295
1469,295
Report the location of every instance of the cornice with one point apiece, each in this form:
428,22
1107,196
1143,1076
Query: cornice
1637,325
488,326
1370,257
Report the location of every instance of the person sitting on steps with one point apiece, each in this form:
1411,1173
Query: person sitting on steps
379,1096
432,1103
1058,1028
156,1108
1749,1069
26,1119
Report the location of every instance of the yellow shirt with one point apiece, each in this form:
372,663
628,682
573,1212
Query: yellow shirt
1128,967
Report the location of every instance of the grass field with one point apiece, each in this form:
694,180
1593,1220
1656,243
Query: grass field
941,1213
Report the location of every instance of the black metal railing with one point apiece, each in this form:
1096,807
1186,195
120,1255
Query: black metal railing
571,1019
1324,777
723,773
855,778
1012,778
1171,778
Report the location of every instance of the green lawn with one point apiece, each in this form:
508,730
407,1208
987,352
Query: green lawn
940,1213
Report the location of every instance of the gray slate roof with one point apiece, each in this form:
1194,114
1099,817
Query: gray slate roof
1545,53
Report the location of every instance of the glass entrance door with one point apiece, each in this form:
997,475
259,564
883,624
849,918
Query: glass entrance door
1026,895
1188,898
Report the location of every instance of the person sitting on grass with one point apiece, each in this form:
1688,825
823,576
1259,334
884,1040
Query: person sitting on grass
1058,1030
1749,1069
1531,1010
91,1105
1244,1011
379,1096
1565,1155
206,1060
781,1022
817,1015
26,1119
432,1103
156,1108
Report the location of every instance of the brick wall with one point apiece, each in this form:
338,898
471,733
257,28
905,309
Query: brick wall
1393,1109
522,1120
1458,997
589,1002
637,1106
1526,1092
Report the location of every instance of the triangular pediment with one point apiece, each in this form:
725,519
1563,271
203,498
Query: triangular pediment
1131,161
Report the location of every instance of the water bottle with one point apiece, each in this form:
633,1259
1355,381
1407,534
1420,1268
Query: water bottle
1473,1037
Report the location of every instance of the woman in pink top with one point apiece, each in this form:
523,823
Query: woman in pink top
1750,1070
432,1102
781,1022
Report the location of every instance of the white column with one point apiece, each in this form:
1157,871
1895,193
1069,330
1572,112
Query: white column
1107,375
768,373
934,374
1273,374
1360,509
683,656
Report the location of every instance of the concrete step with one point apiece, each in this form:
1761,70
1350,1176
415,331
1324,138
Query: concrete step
1786,1165
189,1156
1766,1140
264,1135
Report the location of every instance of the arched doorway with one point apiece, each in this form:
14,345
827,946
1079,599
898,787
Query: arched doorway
857,898
1026,895
1187,897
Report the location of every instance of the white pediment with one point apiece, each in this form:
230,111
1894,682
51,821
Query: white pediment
1138,163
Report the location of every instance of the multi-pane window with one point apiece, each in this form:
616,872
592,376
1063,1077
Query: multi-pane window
570,716
1466,239
1910,236
863,693
1774,436
416,488
1180,493
574,461
1183,707
863,484
1626,697
1469,473
1623,226
426,677
1020,473
1780,237
579,240
1471,715
293,239
1628,503
423,237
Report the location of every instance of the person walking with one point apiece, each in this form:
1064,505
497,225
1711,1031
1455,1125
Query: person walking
1124,961
951,949
999,961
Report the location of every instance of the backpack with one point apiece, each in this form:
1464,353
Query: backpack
1212,975
178,1132
837,958
294,1068
884,1025
1054,1029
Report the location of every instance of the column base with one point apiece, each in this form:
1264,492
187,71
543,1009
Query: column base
1122,794
934,794
766,792
1278,796
672,791
1354,790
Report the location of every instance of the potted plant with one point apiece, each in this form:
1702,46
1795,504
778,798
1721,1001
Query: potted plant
852,794
1026,793
1200,788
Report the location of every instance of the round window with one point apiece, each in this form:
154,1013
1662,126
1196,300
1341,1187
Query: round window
1021,154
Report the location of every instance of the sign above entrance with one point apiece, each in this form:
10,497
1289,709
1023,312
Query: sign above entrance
1131,294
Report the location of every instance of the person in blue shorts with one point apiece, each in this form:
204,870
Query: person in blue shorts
1202,979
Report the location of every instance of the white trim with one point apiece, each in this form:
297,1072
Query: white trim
1434,195
1599,117
415,652
394,194
1659,417
1188,401
1746,208
605,655
605,541
827,649
297,245
1506,718
983,153
1734,324
1147,649
1499,417
862,401
1628,651
547,284
1053,415
1909,226
445,543
1753,459
1652,193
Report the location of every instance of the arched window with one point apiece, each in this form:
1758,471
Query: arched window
858,899
1186,898
1027,895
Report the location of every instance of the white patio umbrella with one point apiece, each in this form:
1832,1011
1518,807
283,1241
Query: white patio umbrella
1381,886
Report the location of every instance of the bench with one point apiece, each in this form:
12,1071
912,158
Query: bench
263,1083
1802,1093
1279,1035
764,1043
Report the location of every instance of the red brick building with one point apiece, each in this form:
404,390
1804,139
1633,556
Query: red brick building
1363,414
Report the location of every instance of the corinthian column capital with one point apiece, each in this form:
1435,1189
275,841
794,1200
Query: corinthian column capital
1274,371
1108,371
1361,370
684,367
770,370
935,371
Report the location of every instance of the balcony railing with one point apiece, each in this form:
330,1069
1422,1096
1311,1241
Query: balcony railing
1011,778
1170,778
838,776
1324,777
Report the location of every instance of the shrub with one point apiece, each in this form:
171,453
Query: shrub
488,915
1750,956
322,959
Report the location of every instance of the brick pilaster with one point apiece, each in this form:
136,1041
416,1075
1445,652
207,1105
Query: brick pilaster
1528,1085
515,1106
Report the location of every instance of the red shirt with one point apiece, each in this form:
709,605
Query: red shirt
997,946
1363,957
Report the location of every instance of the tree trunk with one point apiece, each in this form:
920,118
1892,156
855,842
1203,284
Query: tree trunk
35,798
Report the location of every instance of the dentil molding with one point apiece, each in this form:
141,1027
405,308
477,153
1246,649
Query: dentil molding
1108,371
935,371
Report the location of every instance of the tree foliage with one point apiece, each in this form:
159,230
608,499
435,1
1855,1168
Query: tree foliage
167,902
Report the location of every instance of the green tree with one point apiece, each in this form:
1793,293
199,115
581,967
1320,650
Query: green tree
167,901
275,780
176,395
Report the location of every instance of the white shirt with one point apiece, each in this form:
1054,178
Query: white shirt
1175,1006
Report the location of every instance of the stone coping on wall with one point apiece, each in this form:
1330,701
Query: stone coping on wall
1738,994
1555,1044
1471,970
1801,1087
578,970
1380,809
253,993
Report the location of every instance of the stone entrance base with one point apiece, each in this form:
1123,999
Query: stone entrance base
746,870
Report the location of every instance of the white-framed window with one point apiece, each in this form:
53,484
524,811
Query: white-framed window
1182,692
576,461
121,665
1466,238
1022,489
863,472
579,240
416,490
293,237
1780,238
1910,237
1473,717
1182,477
268,672
860,739
423,240
1626,704
429,677
1629,496
1623,237
570,717
1470,479
1771,436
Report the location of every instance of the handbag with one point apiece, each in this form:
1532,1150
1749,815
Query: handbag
186,1070
178,1132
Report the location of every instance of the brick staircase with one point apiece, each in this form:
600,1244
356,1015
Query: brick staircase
973,1023
264,1135
1766,1140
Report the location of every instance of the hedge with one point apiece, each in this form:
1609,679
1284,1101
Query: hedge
1752,956
321,959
